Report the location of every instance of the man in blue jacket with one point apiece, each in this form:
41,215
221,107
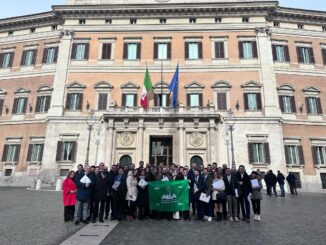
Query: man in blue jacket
84,183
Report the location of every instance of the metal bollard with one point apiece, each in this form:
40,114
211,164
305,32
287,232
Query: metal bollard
58,186
38,184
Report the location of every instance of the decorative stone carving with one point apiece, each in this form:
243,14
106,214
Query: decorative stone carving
196,139
126,139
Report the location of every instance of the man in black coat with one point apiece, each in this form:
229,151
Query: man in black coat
245,191
231,186
100,194
271,181
280,179
291,179
119,191
199,188
191,176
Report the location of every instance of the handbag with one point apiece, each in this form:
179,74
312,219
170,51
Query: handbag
221,196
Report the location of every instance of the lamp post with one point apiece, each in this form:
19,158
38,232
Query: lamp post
230,120
97,137
90,121
227,139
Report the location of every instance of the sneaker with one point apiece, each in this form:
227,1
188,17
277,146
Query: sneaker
255,217
209,219
258,217
231,219
237,219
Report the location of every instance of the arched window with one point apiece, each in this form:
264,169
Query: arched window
125,160
196,159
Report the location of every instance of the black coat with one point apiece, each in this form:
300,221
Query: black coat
201,185
111,177
142,197
179,177
270,179
122,189
230,187
280,178
245,188
101,186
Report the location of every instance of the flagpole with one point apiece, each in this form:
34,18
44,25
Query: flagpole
162,83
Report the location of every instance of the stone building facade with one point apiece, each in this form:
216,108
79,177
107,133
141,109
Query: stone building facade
263,61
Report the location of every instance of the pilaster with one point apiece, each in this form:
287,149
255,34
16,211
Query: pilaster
60,78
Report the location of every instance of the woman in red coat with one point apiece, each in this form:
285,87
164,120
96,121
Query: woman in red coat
69,196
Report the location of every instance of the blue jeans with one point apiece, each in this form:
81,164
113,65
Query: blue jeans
282,190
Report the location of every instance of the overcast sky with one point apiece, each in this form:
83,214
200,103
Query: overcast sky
13,8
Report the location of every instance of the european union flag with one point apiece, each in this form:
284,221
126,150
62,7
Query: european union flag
173,87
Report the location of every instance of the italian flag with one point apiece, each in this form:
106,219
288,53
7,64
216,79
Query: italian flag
147,93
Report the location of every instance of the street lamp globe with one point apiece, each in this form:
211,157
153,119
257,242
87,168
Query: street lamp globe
91,120
230,119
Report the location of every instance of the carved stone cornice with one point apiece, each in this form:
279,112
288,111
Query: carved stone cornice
29,21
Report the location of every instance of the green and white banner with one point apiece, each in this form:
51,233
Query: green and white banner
169,196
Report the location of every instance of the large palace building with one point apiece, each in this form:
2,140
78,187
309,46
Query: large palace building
264,62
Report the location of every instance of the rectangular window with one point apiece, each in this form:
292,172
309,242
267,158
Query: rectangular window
28,58
131,51
74,101
281,53
20,105
130,100
287,104
161,100
221,101
194,100
323,180
162,51
35,153
259,153
106,51
305,55
80,51
43,103
66,151
6,60
294,154
321,153
313,105
248,49
102,101
252,101
193,50
219,50
11,153
50,55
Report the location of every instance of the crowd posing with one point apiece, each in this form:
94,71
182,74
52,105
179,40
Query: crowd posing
93,193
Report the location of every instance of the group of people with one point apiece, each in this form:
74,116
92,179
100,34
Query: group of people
91,193
271,180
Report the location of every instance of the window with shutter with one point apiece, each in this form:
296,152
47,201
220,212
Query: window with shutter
5,153
251,153
29,153
267,156
106,51
102,101
301,156
221,101
59,154
219,50
323,52
1,106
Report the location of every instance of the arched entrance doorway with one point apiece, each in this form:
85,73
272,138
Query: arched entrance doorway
125,160
196,159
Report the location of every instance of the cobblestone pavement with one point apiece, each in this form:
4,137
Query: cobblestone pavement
32,217
291,220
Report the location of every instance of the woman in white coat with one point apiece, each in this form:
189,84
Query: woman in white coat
132,193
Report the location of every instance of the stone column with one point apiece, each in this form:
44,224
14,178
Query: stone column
182,143
60,78
268,78
140,141
213,143
109,143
